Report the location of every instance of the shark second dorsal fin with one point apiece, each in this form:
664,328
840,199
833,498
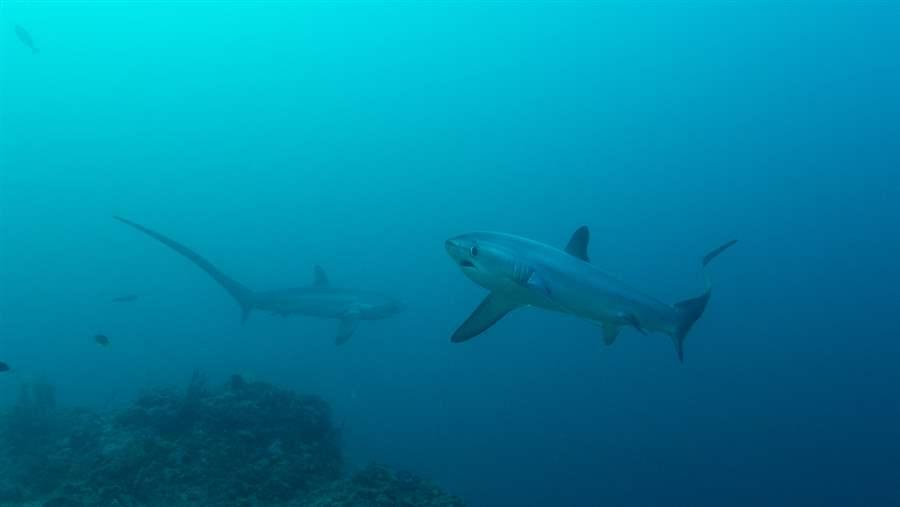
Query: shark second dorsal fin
320,279
578,244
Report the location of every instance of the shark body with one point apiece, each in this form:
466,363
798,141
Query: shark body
522,272
347,306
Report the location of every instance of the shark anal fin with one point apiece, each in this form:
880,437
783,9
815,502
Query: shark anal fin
320,279
610,332
578,244
491,310
345,328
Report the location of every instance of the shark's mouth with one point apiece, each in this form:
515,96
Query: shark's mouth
466,264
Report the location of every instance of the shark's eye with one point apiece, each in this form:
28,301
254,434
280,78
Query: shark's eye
474,251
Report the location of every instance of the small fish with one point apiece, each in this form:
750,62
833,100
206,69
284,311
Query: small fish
25,37
102,340
127,298
4,367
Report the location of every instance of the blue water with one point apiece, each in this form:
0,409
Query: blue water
271,137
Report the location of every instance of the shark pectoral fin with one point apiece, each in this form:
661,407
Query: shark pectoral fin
492,309
610,332
320,279
345,328
578,244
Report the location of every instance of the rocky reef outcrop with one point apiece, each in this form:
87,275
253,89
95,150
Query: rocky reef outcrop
242,444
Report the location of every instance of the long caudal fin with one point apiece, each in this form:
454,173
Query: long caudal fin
690,310
241,294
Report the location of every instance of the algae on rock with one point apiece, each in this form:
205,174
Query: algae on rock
242,444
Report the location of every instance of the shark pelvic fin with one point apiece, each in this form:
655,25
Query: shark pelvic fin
633,321
346,326
320,279
578,244
610,332
491,310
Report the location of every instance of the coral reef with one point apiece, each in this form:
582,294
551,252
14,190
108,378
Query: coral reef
244,444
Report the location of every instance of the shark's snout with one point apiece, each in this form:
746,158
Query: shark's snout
453,248
451,245
459,252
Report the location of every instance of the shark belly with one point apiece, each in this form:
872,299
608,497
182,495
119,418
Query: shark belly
600,298
309,304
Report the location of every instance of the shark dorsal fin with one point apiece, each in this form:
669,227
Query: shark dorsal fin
320,279
578,244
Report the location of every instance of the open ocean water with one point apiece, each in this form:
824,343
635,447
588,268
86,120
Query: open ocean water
272,137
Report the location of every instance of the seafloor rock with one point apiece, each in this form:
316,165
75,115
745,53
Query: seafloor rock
379,486
243,444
